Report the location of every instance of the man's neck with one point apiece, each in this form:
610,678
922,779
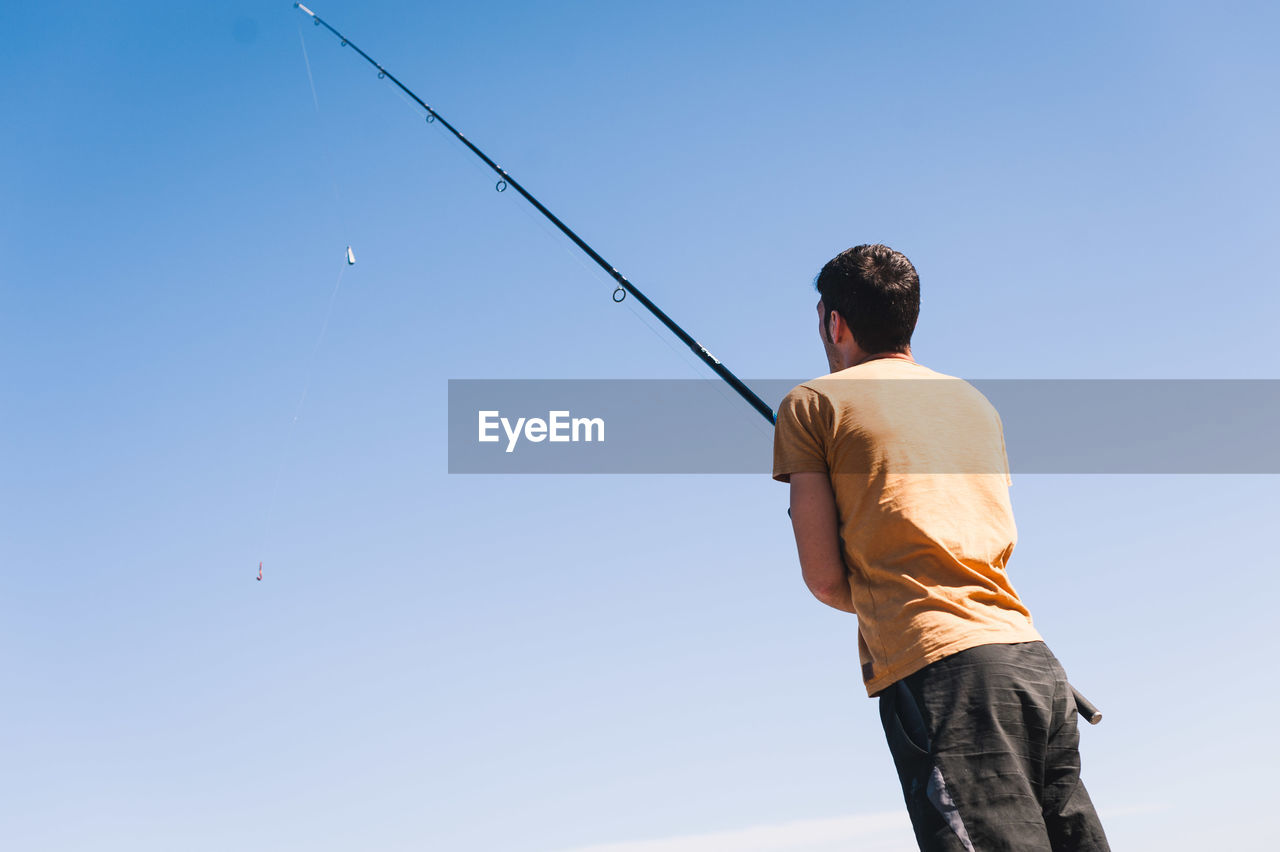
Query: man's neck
864,357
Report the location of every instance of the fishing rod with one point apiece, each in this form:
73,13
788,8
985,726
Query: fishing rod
624,286
1083,705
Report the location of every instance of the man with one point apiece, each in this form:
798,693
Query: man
899,500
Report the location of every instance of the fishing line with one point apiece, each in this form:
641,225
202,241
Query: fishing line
328,146
309,364
287,444
306,59
324,329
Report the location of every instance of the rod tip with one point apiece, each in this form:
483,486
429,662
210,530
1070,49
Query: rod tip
305,9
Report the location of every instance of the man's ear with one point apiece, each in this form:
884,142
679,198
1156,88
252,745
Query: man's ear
835,323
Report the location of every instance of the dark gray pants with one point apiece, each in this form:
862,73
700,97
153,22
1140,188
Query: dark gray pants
985,742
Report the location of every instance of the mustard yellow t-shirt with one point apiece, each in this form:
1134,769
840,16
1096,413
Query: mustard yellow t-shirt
921,480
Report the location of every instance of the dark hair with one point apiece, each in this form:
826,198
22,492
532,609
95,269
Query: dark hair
877,292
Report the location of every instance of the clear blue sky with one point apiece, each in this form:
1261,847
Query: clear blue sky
548,663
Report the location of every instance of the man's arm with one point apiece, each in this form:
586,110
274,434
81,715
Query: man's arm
814,520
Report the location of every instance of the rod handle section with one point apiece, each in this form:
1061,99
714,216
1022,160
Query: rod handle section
1086,708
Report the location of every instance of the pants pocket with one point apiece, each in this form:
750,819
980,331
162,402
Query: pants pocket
903,723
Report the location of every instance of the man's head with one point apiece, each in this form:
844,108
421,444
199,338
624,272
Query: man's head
869,306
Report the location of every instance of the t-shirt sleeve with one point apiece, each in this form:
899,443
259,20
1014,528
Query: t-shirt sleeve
801,434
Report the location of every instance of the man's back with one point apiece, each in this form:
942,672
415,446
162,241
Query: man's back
917,464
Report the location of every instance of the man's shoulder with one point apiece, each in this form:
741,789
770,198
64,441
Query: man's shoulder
803,401
884,383
849,382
